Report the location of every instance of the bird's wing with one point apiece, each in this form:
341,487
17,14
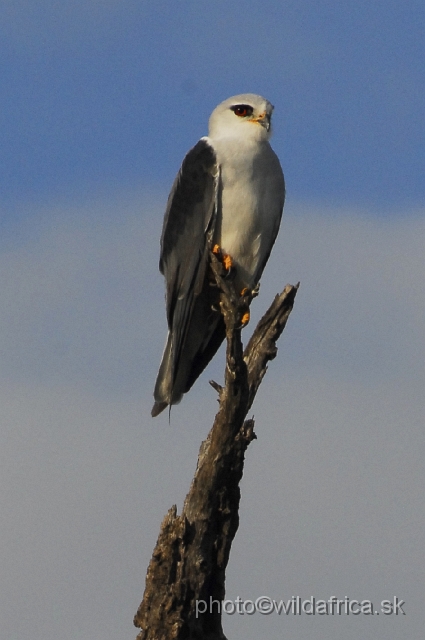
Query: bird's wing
187,236
276,189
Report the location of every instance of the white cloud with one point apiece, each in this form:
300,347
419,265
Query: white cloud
82,298
332,496
77,301
360,307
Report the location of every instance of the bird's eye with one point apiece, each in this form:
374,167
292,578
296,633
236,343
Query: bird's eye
242,110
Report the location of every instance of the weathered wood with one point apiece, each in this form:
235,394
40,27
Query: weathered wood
192,551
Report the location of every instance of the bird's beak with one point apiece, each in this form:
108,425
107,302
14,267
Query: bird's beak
264,120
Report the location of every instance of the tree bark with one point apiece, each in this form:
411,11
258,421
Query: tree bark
190,558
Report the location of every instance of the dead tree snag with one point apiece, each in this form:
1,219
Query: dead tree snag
192,551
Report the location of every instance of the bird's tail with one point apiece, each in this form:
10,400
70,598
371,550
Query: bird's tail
157,408
178,371
163,392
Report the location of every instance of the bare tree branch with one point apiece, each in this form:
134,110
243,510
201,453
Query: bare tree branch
192,551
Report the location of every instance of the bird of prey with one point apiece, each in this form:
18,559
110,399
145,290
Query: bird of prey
228,198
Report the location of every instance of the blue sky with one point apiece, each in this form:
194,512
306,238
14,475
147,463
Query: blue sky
97,95
99,102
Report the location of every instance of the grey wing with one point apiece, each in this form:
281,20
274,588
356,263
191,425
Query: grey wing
185,245
276,189
188,226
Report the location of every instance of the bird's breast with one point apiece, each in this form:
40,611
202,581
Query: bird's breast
250,205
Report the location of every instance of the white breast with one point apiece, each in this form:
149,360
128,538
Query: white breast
252,195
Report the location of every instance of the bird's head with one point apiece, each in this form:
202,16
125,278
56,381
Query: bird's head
245,116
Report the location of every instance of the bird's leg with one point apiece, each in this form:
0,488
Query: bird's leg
245,318
225,260
252,293
218,275
248,295
238,300
244,302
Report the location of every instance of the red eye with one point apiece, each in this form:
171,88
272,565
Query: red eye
242,110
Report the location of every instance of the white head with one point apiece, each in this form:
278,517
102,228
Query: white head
246,115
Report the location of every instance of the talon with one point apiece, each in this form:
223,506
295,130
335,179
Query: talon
227,262
224,258
245,318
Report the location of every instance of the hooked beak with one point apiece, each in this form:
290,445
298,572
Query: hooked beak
264,120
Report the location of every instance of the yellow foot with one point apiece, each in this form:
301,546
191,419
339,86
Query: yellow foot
227,261
244,291
245,318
